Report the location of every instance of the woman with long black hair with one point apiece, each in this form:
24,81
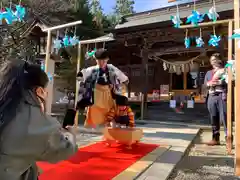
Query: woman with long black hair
27,134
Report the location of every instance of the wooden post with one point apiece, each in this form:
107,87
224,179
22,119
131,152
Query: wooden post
229,95
237,89
144,99
77,85
47,64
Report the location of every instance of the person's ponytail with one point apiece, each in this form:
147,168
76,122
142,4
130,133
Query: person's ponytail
11,87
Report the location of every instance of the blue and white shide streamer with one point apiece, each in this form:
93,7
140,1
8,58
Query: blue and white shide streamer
195,18
199,42
10,16
214,40
236,36
176,20
66,41
187,42
212,14
74,40
57,44
50,76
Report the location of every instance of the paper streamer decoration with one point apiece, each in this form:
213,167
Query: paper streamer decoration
91,53
57,44
236,36
212,14
214,40
199,40
187,42
74,40
230,64
20,12
50,76
11,16
66,41
176,19
195,18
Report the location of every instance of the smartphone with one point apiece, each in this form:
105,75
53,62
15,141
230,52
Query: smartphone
69,118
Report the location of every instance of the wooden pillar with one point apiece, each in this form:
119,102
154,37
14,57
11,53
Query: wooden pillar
49,68
229,95
237,95
129,84
144,56
77,85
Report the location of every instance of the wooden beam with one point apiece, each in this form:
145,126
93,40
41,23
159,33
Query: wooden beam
97,40
237,89
229,95
206,24
62,26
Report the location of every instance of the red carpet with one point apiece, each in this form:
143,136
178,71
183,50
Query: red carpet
95,162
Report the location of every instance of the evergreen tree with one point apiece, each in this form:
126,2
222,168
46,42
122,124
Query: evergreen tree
123,7
97,12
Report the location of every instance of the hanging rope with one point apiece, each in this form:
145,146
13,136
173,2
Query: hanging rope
186,34
10,4
57,34
104,43
194,5
214,30
200,32
177,66
66,31
75,31
214,4
177,8
176,62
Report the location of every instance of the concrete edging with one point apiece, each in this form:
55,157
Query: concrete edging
162,171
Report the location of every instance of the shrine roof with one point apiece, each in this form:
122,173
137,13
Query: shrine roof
163,14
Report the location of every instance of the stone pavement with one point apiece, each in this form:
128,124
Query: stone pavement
174,140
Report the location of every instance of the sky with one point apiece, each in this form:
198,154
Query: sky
140,5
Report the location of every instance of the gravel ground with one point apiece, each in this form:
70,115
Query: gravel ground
205,163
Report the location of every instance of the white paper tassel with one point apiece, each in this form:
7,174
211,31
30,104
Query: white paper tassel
171,70
164,66
174,68
183,67
178,70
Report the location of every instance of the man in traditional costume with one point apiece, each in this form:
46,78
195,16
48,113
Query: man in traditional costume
100,85
121,114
